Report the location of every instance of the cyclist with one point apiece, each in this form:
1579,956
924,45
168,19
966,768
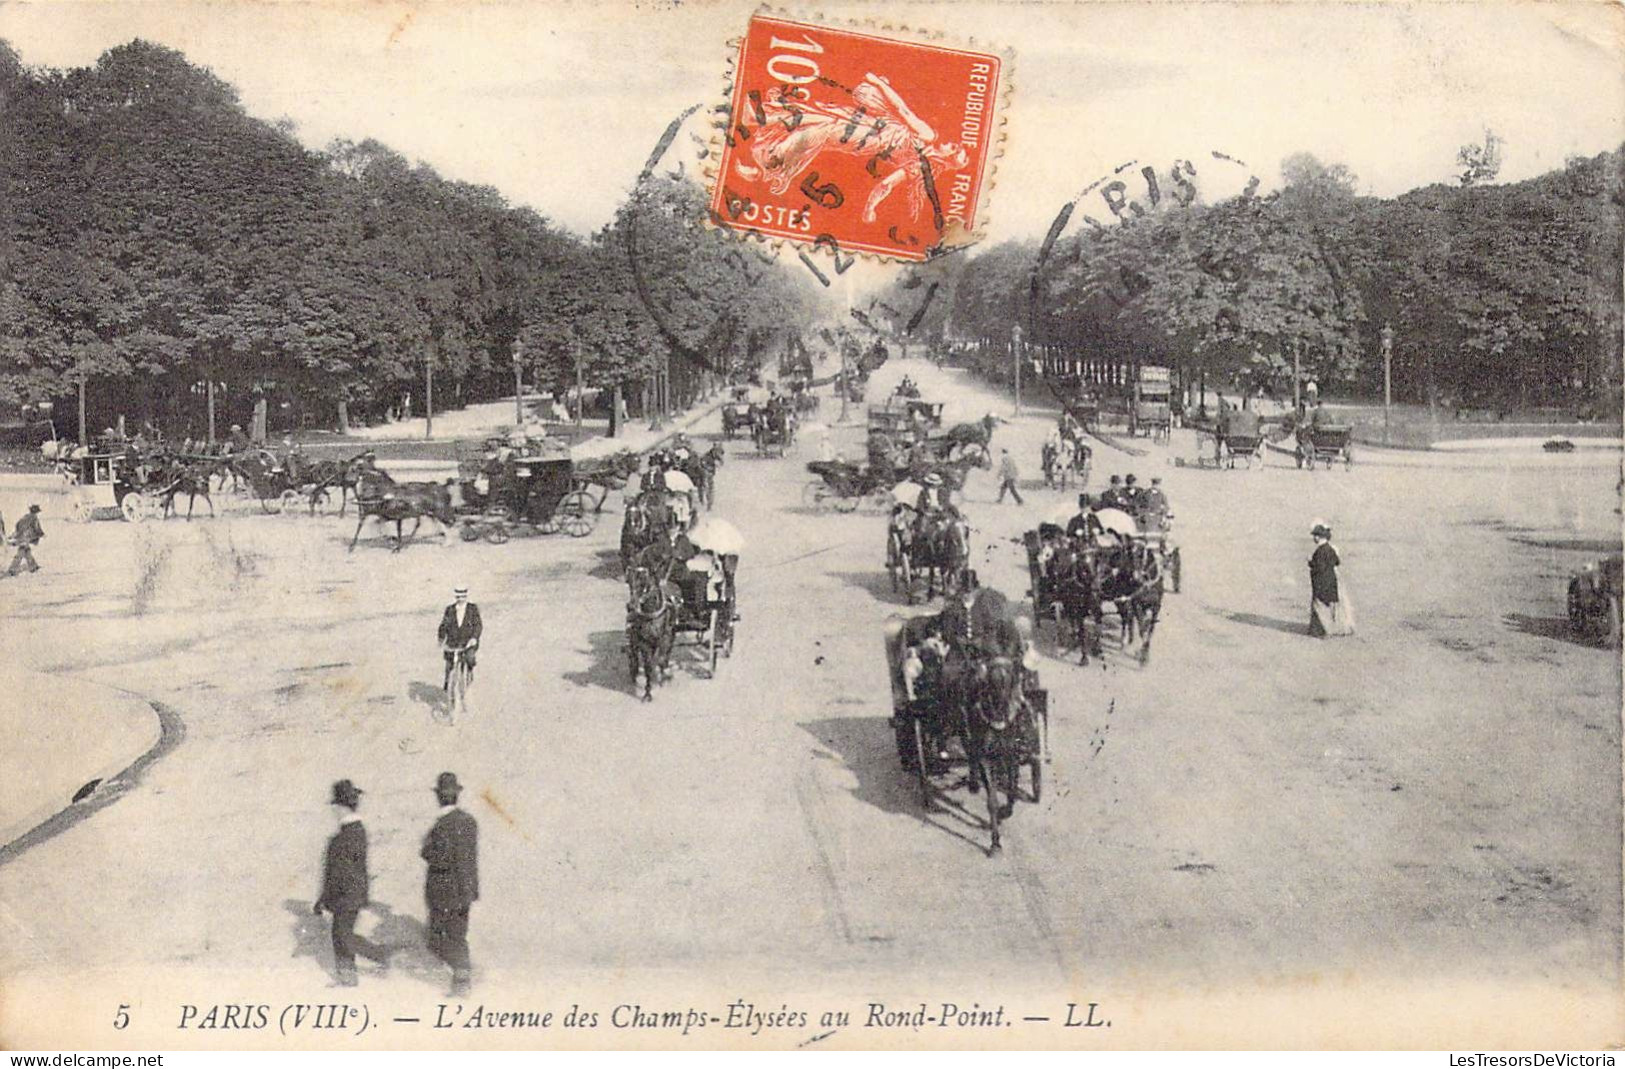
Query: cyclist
460,629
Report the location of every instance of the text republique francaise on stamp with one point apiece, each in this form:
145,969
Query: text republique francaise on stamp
858,142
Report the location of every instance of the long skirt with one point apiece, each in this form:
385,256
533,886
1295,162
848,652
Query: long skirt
1329,620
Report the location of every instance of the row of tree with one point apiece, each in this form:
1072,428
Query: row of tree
154,237
1492,294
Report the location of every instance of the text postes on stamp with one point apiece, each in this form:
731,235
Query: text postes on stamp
857,142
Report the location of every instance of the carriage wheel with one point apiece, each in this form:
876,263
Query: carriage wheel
1173,569
922,764
728,631
497,533
1035,768
1348,459
575,514
82,511
470,531
271,505
814,494
844,503
291,500
134,507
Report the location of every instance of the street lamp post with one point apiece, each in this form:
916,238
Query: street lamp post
82,439
1015,354
518,383
1387,375
428,397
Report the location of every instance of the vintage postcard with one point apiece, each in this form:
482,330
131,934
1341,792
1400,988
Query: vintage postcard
928,525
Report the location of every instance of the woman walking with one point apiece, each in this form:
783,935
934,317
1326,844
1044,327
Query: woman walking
1329,611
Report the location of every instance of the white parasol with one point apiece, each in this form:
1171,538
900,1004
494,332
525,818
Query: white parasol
678,482
717,535
1117,520
906,493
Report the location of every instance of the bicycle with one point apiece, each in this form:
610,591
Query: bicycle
457,686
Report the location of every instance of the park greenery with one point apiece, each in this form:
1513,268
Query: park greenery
155,237
1499,296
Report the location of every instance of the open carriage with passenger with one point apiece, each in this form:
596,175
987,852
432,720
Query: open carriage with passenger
1085,564
967,702
682,591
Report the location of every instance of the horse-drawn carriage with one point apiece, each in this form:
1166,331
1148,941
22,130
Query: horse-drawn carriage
971,706
507,493
682,589
845,484
137,484
1325,443
1118,565
774,428
104,485
738,415
934,545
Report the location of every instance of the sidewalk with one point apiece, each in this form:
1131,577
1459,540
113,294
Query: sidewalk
61,735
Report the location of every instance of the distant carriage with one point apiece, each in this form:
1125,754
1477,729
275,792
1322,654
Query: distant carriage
1325,444
738,415
774,430
845,485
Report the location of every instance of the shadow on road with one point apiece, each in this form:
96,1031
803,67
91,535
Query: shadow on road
1553,627
608,565
1582,545
429,694
877,584
867,746
1290,627
405,937
609,666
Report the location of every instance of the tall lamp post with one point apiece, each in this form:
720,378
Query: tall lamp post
1015,355
82,439
1387,375
518,383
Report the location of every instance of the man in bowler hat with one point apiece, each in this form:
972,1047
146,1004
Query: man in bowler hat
345,885
453,882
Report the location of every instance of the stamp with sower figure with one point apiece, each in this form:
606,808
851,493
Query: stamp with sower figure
857,142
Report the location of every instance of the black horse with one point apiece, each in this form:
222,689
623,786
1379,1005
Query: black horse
1077,591
701,469
939,548
1132,580
651,627
648,521
1000,732
192,480
381,498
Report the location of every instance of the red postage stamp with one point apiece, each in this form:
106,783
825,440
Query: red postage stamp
857,142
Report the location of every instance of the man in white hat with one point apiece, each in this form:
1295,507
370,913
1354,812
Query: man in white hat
460,630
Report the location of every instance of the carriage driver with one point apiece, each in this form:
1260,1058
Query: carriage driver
934,497
460,628
1085,525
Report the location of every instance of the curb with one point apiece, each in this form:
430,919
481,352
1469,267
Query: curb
109,729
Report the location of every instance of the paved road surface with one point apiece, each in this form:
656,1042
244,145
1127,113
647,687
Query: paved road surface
1436,800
